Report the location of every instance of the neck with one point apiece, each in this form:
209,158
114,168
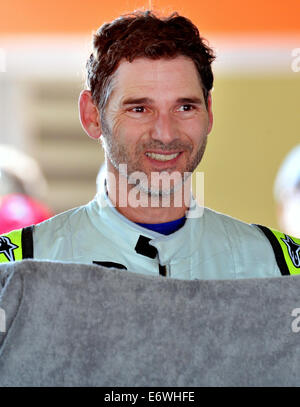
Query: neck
139,206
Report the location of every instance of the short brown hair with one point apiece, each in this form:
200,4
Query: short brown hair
144,34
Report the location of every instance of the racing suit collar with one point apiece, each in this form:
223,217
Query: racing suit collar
181,243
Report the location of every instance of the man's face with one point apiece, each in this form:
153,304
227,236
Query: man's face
156,118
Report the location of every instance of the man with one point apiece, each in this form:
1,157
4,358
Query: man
149,102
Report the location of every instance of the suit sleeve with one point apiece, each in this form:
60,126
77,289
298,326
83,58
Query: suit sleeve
286,250
16,245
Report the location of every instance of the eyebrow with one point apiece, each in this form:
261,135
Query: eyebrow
136,101
145,100
194,100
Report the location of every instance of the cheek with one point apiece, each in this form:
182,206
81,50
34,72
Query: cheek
196,131
118,127
128,130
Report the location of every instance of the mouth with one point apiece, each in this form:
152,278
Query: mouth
163,157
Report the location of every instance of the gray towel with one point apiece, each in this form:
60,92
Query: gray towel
78,325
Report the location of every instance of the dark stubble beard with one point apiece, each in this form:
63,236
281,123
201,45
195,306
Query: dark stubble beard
118,154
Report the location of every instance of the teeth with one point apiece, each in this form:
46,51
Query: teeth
162,157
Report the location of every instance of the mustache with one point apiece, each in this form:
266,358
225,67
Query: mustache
175,145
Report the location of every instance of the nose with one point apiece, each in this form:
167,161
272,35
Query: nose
164,128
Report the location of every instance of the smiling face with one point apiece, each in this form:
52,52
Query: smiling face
156,118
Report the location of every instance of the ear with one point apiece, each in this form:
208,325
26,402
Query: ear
210,113
89,115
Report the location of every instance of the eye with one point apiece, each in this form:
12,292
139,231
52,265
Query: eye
138,109
186,108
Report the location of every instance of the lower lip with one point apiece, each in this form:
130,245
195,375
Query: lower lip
163,164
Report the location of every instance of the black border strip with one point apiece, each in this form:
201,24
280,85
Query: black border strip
27,242
110,264
277,250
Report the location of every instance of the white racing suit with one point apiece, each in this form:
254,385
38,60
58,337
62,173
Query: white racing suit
210,245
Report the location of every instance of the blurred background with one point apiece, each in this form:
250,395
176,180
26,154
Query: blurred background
43,49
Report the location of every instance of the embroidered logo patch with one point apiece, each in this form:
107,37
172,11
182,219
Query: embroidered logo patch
293,249
7,248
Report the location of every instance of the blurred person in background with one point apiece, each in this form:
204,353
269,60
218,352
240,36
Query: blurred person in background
287,193
149,102
22,189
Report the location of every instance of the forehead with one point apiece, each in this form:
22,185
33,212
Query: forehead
176,75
